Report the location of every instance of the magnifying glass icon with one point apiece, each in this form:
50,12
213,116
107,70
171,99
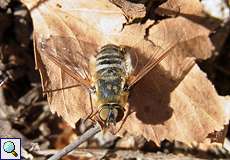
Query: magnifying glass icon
9,147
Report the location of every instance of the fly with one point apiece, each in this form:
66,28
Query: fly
108,75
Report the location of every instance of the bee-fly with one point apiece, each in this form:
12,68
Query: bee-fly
112,70
108,76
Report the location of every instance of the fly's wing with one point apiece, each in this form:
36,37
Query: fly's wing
156,55
82,26
65,53
63,62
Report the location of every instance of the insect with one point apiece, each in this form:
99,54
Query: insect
108,75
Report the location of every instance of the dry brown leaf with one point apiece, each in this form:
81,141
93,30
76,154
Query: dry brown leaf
174,101
186,113
192,10
130,9
182,7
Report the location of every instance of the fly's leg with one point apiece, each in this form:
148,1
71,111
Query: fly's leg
90,91
92,114
60,89
124,119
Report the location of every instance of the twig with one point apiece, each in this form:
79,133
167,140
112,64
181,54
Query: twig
88,134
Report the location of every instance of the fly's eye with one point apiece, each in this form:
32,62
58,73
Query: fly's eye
108,114
120,114
104,112
111,114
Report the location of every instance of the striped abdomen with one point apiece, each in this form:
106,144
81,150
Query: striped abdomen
110,73
112,67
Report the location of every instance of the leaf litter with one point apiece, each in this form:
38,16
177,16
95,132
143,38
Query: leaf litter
164,69
177,102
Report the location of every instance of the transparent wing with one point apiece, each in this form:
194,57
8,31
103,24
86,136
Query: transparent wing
67,54
156,55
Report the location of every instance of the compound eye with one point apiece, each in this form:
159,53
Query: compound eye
113,115
104,113
120,114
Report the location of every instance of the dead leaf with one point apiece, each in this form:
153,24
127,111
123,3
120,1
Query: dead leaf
174,101
130,9
226,104
179,114
192,10
181,7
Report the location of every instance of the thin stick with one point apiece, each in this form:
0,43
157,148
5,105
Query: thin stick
88,134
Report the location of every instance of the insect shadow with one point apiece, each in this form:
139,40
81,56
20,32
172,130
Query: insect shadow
149,99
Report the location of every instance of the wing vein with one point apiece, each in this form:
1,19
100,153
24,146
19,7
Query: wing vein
152,62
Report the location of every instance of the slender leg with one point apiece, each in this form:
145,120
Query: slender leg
90,97
91,106
137,61
59,89
124,119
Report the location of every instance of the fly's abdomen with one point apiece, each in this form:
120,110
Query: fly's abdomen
110,71
110,58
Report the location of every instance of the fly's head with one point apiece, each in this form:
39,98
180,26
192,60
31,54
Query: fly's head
111,113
